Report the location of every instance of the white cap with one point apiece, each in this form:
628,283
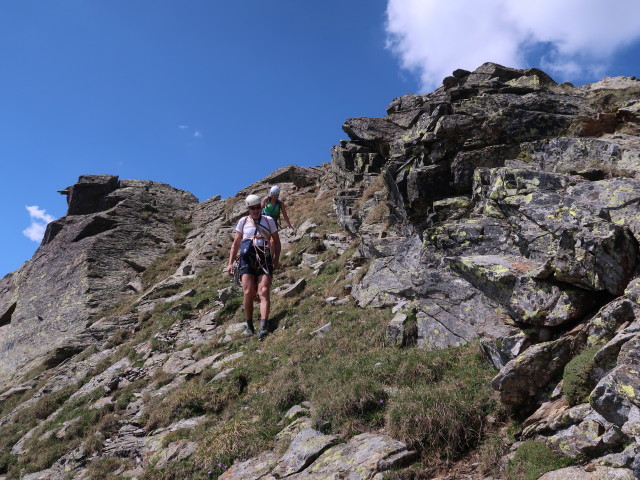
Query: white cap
275,190
252,200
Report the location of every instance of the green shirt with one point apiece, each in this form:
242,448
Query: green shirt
272,210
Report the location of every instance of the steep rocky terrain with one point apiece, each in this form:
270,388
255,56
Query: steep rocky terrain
460,299
88,260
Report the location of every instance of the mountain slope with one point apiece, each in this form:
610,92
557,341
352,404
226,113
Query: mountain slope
460,298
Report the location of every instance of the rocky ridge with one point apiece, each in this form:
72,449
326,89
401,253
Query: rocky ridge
522,197
501,209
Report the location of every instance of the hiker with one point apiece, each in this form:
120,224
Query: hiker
257,240
273,206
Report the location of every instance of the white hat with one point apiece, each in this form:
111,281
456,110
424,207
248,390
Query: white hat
275,190
252,200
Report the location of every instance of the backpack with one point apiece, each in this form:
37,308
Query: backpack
249,251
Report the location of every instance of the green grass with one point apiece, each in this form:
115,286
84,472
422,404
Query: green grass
7,461
577,383
180,471
182,226
197,397
533,459
44,448
240,437
44,406
445,415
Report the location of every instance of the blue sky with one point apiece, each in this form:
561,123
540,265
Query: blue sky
210,96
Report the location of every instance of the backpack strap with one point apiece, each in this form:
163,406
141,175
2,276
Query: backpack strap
264,249
261,228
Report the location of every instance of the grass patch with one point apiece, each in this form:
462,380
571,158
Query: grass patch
105,468
446,415
305,245
47,444
178,471
318,209
577,382
10,403
182,226
44,406
7,461
118,337
193,399
47,452
378,214
533,459
376,185
239,437
164,265
229,310
489,454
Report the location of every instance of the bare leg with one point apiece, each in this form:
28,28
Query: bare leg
249,291
264,286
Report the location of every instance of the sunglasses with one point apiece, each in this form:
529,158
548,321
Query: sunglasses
256,207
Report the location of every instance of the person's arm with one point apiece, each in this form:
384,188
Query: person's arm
264,201
284,214
275,249
235,246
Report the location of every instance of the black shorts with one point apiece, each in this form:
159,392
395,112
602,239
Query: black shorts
256,268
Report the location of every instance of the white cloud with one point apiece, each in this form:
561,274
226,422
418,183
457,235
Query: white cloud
578,37
39,220
198,134
183,127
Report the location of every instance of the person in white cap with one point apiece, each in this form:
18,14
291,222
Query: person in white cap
273,206
258,243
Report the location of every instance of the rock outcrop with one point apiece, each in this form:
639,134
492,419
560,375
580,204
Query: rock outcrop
522,198
88,261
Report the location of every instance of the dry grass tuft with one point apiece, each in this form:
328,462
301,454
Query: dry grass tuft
189,401
446,416
164,265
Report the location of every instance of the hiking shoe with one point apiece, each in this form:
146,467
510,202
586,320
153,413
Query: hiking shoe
247,332
262,333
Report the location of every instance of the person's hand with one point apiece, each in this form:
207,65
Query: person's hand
230,269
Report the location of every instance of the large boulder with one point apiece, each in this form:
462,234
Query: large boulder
514,283
565,220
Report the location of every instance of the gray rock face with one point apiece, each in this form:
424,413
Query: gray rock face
310,454
535,202
618,393
113,231
521,199
359,459
512,282
562,220
523,379
597,473
305,447
433,143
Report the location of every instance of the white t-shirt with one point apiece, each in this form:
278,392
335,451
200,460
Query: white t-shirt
248,228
